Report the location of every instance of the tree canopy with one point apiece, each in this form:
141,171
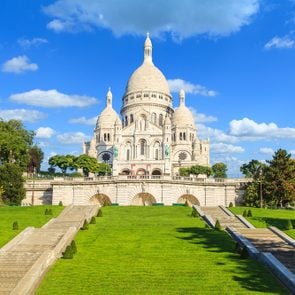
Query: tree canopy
219,170
15,143
195,170
17,154
86,163
276,178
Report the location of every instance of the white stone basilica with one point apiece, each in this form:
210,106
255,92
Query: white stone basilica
151,138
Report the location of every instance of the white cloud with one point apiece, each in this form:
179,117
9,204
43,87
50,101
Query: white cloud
277,42
35,42
180,18
176,85
22,114
222,148
52,99
19,64
292,152
214,134
84,121
266,151
201,118
44,132
248,129
72,138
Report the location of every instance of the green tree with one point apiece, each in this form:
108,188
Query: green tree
15,143
103,169
184,171
36,157
87,164
63,162
219,170
198,169
251,195
279,179
12,182
253,169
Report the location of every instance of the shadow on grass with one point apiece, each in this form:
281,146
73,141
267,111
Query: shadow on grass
280,223
248,273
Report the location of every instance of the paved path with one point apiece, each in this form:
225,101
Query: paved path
225,219
28,256
264,239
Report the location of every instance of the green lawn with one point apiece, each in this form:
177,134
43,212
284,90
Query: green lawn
155,250
25,216
269,217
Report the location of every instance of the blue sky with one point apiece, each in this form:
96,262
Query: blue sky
235,59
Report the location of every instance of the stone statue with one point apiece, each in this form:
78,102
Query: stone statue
115,152
167,150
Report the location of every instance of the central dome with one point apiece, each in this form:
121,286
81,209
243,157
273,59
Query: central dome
147,77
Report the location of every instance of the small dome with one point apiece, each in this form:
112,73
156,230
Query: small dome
108,117
183,117
147,77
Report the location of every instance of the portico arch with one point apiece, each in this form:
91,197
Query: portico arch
100,199
143,199
141,172
189,199
125,172
156,172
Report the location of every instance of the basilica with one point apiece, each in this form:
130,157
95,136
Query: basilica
150,137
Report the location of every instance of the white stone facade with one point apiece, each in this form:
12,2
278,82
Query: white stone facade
150,138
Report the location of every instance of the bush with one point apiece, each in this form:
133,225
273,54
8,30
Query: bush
195,213
244,253
15,225
68,254
99,213
245,213
249,214
217,225
289,224
230,204
92,220
48,211
60,203
85,225
238,248
74,247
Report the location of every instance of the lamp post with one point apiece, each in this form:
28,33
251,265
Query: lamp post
260,188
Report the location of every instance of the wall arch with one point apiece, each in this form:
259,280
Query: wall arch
143,199
100,199
189,199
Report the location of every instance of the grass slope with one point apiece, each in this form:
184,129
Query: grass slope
25,216
155,250
269,217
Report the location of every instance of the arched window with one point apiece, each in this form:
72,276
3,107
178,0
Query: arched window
180,136
142,146
154,118
157,150
108,137
156,154
131,118
105,137
128,155
161,120
142,122
184,136
126,120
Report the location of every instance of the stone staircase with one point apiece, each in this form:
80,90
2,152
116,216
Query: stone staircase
225,218
265,240
25,259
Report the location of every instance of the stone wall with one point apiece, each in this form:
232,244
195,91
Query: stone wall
123,191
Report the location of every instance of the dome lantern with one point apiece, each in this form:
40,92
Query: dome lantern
148,47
